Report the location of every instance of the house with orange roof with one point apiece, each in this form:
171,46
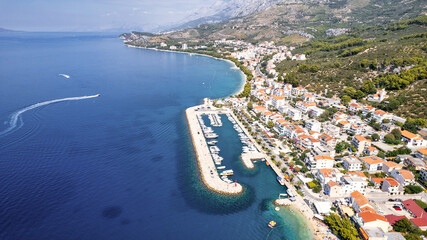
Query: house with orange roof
319,162
371,150
369,220
266,117
344,125
355,129
333,189
390,166
379,96
391,186
280,125
260,109
277,101
372,163
376,181
360,143
326,175
327,140
354,107
421,153
305,106
359,202
308,98
367,109
404,177
413,140
340,115
380,115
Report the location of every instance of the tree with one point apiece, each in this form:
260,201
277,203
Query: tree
375,137
350,91
340,147
345,99
402,225
391,139
368,87
342,227
359,94
397,134
270,124
413,189
250,106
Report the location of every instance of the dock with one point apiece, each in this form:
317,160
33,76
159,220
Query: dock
205,161
247,158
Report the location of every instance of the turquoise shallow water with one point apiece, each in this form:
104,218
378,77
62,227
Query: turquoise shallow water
119,166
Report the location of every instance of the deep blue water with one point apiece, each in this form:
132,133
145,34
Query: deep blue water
120,166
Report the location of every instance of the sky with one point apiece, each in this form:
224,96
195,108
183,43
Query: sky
96,15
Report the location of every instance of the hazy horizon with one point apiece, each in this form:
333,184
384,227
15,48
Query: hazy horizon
96,15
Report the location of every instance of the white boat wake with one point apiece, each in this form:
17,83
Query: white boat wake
64,75
13,122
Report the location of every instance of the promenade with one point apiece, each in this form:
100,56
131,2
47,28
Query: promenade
205,161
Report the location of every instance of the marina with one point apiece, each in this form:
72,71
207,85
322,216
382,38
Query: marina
208,157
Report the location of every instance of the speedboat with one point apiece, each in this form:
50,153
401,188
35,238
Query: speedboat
271,224
221,167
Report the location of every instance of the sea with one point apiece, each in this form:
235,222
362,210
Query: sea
121,165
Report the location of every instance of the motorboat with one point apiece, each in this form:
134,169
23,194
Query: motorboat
211,135
213,142
227,173
281,181
221,167
272,224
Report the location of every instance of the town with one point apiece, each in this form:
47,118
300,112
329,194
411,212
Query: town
345,159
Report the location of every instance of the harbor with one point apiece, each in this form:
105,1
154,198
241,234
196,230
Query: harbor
214,176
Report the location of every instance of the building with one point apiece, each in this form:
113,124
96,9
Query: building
360,203
360,143
372,220
413,140
313,125
376,181
370,150
391,186
352,182
390,166
351,163
294,114
319,162
404,177
423,174
422,153
372,163
410,161
414,209
326,175
332,189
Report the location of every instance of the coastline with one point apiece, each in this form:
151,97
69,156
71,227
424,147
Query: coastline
244,78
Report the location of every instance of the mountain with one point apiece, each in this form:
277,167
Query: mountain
296,21
224,10
6,30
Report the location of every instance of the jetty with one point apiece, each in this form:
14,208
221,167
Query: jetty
206,163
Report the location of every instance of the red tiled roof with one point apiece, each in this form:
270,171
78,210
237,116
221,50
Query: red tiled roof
420,222
412,206
392,219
